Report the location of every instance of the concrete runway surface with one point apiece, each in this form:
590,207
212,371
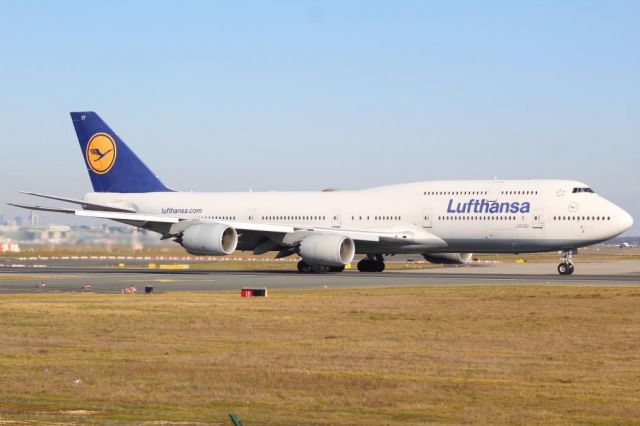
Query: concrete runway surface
61,276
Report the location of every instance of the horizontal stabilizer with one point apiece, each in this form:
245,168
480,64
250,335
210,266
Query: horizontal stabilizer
133,217
84,204
43,209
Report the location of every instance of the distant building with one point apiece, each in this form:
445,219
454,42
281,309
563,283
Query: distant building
9,247
56,234
33,233
34,219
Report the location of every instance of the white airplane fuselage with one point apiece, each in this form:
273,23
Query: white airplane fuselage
509,216
444,221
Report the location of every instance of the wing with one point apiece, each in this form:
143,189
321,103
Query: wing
171,226
278,235
156,221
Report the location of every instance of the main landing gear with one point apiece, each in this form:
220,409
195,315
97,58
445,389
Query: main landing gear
306,268
566,267
371,263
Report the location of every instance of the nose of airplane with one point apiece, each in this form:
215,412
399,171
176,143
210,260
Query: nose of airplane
623,219
626,221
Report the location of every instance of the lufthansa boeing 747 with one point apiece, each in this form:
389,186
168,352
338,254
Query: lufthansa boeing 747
444,221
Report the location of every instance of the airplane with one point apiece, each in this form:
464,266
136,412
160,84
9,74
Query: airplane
444,221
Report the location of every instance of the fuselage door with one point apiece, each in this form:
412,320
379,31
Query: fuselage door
538,219
427,218
252,215
494,190
336,218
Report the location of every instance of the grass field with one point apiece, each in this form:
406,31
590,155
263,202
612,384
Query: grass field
405,356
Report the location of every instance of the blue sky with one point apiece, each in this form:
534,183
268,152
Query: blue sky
308,95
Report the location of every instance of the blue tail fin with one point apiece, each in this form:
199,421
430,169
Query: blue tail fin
112,166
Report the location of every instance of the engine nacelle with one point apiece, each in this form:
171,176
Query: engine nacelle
448,258
209,239
327,249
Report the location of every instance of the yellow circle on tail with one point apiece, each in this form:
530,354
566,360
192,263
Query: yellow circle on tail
101,153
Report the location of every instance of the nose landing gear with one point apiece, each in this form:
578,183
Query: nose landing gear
566,267
371,263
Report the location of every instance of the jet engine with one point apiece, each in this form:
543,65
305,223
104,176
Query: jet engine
327,249
448,258
209,239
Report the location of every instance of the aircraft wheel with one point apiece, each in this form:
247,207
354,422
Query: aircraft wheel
336,268
564,268
318,269
363,265
304,267
368,265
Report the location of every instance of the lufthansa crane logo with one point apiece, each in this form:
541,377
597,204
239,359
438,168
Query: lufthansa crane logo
101,153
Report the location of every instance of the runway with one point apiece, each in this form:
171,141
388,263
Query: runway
111,280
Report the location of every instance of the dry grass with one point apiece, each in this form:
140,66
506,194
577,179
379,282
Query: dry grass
519,354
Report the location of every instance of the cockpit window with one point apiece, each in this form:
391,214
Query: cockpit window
575,190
